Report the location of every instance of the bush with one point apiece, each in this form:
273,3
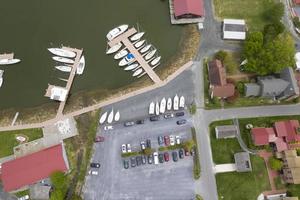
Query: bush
298,152
221,55
233,98
129,154
296,22
275,164
193,109
58,180
147,151
197,167
188,145
241,88
198,197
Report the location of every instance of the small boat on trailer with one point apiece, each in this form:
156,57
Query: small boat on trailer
157,108
117,116
181,102
169,104
151,108
162,107
176,102
110,117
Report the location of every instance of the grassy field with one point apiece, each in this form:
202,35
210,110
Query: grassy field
8,139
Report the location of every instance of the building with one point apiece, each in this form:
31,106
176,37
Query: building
56,93
234,29
21,172
39,192
242,162
228,131
188,8
291,167
217,80
296,1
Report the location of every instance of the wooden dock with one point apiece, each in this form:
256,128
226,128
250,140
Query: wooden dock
7,56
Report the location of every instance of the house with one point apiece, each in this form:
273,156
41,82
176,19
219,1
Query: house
296,1
228,131
234,29
21,172
188,8
217,79
39,192
291,167
242,162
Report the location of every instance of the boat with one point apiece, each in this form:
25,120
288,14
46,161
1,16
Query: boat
64,68
1,77
63,79
127,60
103,118
169,104
137,36
63,60
155,61
151,108
145,48
139,44
175,102
114,48
150,54
81,65
117,116
62,52
9,61
157,108
181,102
116,32
137,72
121,54
110,117
131,67
162,107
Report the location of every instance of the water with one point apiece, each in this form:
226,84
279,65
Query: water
29,27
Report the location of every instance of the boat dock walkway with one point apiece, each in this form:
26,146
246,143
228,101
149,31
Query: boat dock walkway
138,57
7,56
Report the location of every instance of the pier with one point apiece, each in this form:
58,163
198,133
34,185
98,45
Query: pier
7,56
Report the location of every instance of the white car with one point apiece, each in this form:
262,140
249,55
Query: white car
106,128
92,172
128,148
177,139
124,148
143,145
155,158
24,197
172,140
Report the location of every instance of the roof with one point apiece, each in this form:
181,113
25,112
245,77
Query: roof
40,192
226,131
281,145
288,75
234,29
288,129
234,21
216,72
183,7
32,168
297,1
242,162
252,89
59,93
261,136
223,91
271,86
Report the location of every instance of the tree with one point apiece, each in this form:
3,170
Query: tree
275,164
58,180
272,30
57,195
274,12
188,145
148,151
221,55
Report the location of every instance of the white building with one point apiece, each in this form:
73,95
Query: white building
58,93
234,29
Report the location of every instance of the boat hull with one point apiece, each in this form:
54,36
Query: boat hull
116,32
120,54
9,61
114,48
145,48
64,68
137,72
62,52
137,36
81,65
63,60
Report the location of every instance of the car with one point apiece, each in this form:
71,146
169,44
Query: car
127,124
126,164
124,150
166,156
93,172
26,197
140,121
155,158
106,128
161,158
181,122
172,140
150,159
148,142
154,118
174,156
167,140
186,152
95,165
138,160
160,140
98,138
128,148
144,160
143,145
177,139
181,153
179,114
168,115
133,162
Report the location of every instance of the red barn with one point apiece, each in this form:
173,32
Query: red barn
188,8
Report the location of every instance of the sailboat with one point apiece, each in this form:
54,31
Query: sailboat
162,107
117,116
151,108
181,102
157,108
110,117
175,103
103,118
169,104
114,48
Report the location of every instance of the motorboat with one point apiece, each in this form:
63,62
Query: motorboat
63,60
9,61
137,72
139,44
169,104
116,32
62,52
137,36
1,77
127,60
121,54
81,66
114,48
64,68
131,67
145,48
157,108
181,102
117,116
175,102
110,117
151,108
162,107
155,61
103,118
150,54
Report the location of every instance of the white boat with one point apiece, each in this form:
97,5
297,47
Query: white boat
151,108
137,36
137,72
1,77
127,60
139,44
131,67
81,65
181,102
169,104
63,60
116,32
117,116
64,68
162,107
150,54
121,54
103,118
145,48
155,61
9,61
62,52
175,102
110,117
157,108
114,48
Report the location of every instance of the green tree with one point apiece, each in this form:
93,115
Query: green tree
275,164
221,55
188,145
274,12
57,195
272,30
58,180
148,151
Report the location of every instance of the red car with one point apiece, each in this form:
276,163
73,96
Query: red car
166,156
99,139
167,140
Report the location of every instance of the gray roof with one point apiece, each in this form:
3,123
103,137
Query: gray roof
226,131
288,75
242,162
39,192
271,86
252,89
235,27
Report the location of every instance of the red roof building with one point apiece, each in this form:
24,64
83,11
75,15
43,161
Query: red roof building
296,1
288,130
261,136
32,168
188,8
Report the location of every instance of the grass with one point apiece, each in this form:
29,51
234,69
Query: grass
129,154
278,184
197,167
293,190
22,193
170,147
198,197
8,139
246,186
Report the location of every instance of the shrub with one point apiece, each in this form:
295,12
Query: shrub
148,151
296,22
221,55
275,164
198,197
128,154
241,88
193,109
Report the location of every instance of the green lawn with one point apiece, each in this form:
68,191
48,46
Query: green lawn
293,190
8,139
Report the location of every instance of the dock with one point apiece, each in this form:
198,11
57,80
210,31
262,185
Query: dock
124,38
7,56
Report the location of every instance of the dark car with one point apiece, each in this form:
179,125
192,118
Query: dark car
138,160
99,139
181,153
167,140
179,114
126,164
161,158
148,143
180,122
174,156
150,159
140,121
128,124
133,162
95,165
168,115
166,156
160,140
144,160
154,118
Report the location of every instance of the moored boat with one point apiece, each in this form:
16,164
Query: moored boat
175,102
145,48
137,72
181,102
103,118
155,61
9,61
114,48
63,60
1,77
157,108
64,68
121,54
162,107
81,65
169,104
127,60
110,117
116,32
117,116
150,54
139,44
131,67
151,108
62,52
137,36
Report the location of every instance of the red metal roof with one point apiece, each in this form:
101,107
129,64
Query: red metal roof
260,136
216,73
32,168
223,91
288,129
183,7
297,1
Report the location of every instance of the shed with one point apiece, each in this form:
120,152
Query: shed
242,162
228,131
188,8
234,29
252,89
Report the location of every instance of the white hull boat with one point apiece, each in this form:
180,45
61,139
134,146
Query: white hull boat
63,60
114,49
110,117
116,32
81,66
9,61
62,52
176,102
139,44
137,36
103,118
169,104
162,107
137,72
155,61
146,48
150,54
127,60
1,81
181,102
131,67
64,68
151,108
157,108
117,116
1,77
121,54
